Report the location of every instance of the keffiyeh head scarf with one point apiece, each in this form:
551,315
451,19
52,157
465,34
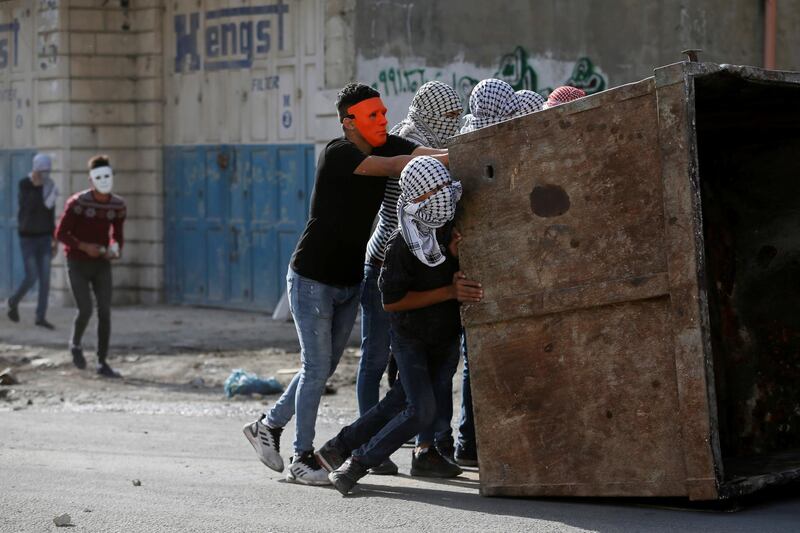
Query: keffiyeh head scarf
426,122
562,95
43,164
418,221
491,101
529,102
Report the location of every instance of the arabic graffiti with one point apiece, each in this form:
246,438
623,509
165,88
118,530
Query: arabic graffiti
516,68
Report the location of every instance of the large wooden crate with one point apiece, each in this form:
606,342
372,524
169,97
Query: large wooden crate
640,253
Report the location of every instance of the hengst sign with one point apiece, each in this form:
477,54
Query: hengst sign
231,38
9,35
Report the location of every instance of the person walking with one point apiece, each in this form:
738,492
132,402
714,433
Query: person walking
36,222
91,229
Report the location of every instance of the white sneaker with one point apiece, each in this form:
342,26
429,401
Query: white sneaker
266,441
306,470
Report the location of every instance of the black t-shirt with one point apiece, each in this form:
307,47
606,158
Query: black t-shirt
343,208
403,272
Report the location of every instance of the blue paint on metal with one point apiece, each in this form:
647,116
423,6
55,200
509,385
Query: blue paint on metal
233,216
14,165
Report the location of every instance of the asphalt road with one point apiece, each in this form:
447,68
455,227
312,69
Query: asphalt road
71,442
198,473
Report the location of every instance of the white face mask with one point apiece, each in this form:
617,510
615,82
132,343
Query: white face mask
102,179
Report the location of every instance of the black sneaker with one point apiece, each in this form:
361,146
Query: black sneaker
346,476
13,313
106,371
45,324
430,463
330,456
77,357
466,456
306,469
446,450
386,468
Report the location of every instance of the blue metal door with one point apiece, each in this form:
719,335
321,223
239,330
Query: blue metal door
233,216
14,165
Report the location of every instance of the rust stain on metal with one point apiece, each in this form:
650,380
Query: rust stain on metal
549,201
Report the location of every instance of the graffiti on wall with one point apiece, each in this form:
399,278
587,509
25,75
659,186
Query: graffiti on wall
517,68
9,36
228,38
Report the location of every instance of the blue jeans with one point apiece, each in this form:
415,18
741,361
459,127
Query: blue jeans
374,341
441,430
36,254
323,316
466,427
409,406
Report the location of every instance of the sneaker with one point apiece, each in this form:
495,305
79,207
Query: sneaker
386,468
446,450
266,441
346,476
466,456
306,469
13,313
44,324
430,463
330,457
106,371
77,357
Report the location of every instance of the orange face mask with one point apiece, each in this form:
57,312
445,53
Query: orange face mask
369,117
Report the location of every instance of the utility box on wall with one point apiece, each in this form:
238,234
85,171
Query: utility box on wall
640,256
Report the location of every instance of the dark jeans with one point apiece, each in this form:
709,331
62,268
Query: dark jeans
466,427
36,254
374,341
441,430
409,406
85,277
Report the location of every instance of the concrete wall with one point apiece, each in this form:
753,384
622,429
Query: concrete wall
78,77
100,91
541,43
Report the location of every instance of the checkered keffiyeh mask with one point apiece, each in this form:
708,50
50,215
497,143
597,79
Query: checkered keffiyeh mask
426,120
562,95
529,102
418,221
491,101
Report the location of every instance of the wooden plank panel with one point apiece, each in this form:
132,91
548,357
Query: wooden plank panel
582,403
574,199
689,316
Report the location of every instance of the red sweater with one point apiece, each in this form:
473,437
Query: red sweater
86,220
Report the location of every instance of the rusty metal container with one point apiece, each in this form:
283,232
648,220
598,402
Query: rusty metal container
640,253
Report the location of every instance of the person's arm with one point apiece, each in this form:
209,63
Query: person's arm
375,165
461,289
117,234
438,153
64,233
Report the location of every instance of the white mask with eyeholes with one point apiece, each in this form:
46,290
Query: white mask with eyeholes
102,179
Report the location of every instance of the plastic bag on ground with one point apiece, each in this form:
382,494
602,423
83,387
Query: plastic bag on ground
244,382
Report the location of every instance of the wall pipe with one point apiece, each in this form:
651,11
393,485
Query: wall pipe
770,23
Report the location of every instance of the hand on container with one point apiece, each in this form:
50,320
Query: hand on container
455,240
465,290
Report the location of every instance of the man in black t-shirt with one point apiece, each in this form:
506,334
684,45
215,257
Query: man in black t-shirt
325,274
